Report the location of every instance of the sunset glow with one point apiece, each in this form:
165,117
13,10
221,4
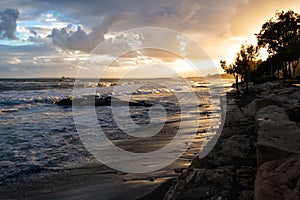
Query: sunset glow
54,42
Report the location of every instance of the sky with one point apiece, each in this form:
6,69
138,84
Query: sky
52,38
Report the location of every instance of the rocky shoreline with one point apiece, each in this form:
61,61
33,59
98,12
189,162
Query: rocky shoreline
257,157
258,153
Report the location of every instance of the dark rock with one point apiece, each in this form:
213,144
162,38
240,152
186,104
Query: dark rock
152,179
257,104
247,195
229,170
278,137
294,114
245,172
236,146
178,171
247,182
65,102
278,179
92,100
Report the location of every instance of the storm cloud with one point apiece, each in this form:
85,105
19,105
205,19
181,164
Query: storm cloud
79,39
8,23
188,16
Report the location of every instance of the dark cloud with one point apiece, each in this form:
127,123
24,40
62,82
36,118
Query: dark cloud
72,40
68,39
8,23
198,16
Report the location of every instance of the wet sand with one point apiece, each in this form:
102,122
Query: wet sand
101,182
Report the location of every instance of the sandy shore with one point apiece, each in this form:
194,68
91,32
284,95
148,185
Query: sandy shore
100,182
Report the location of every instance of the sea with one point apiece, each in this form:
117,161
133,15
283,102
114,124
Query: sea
37,136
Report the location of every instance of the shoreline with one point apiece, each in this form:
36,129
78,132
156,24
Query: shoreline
257,155
230,163
88,182
93,182
234,169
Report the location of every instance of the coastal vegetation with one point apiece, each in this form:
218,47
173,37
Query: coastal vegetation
280,35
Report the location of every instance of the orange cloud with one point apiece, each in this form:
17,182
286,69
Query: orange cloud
252,15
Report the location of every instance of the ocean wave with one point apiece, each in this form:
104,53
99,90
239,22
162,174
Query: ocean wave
30,100
41,136
8,110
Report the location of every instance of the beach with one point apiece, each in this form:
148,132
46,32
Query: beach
238,167
142,100
257,155
51,162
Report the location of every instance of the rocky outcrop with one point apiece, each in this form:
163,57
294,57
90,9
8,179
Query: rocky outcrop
229,170
258,104
92,100
286,96
278,145
278,137
279,179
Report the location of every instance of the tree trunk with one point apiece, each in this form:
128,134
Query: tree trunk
247,85
284,70
271,69
290,70
295,64
237,85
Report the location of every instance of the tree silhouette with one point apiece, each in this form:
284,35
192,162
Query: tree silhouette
229,69
280,35
245,63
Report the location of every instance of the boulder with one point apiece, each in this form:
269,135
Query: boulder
287,96
246,195
92,100
278,137
64,102
237,146
279,180
294,114
194,184
257,104
270,86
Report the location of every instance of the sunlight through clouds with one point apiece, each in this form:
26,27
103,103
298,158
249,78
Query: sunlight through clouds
71,29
